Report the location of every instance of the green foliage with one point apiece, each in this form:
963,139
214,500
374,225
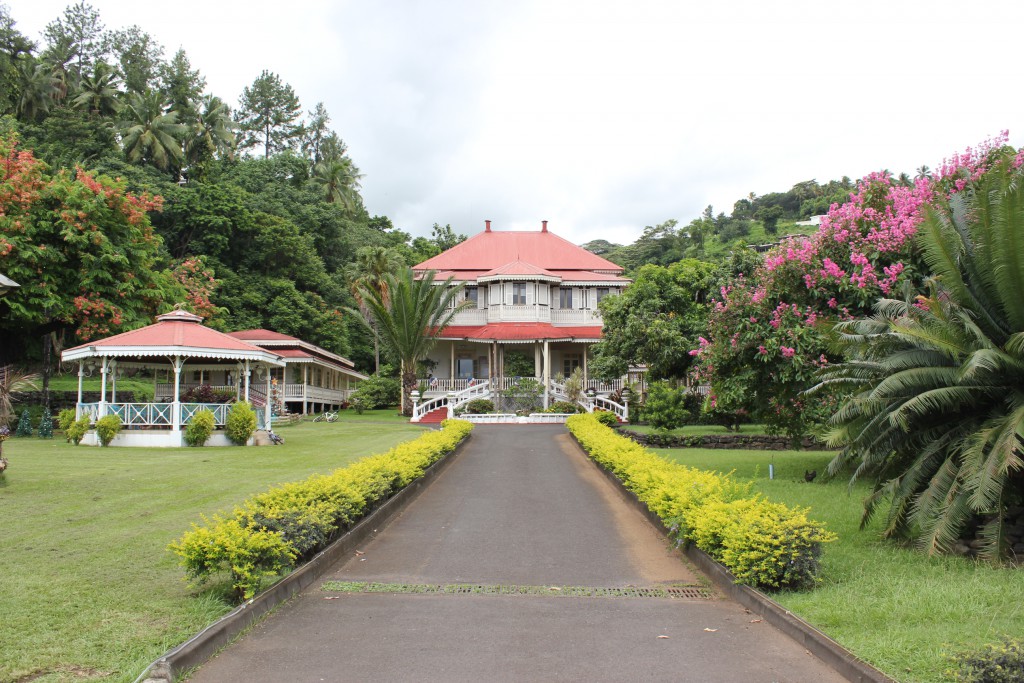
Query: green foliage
995,663
65,419
268,115
24,424
46,425
107,427
479,406
656,321
937,409
77,429
378,392
565,407
272,530
665,406
762,543
607,418
240,423
199,428
204,393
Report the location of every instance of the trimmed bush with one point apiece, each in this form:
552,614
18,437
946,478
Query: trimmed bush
107,427
24,424
763,544
378,392
478,406
607,418
270,532
46,425
199,428
1000,663
564,407
65,419
241,423
77,429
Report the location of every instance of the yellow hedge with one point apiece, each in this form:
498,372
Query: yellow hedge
762,543
275,529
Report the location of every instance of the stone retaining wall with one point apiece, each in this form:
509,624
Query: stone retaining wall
761,442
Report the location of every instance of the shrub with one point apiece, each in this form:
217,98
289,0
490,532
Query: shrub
65,418
46,425
664,408
24,424
199,428
292,521
241,423
378,392
77,429
204,393
565,407
479,406
107,427
1001,663
608,419
763,543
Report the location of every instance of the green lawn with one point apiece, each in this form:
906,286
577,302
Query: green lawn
87,583
141,388
894,607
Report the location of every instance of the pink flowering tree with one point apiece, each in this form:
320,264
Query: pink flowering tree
768,330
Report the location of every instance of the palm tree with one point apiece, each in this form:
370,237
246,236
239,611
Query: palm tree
39,90
11,382
99,92
213,134
923,173
410,319
369,271
339,179
149,133
937,412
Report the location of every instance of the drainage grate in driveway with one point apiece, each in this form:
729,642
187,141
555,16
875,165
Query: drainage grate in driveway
673,592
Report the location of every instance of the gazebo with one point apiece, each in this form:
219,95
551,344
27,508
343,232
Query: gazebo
178,340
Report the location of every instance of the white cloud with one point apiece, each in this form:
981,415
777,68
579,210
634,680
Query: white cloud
603,117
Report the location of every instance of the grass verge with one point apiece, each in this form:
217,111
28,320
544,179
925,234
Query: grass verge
892,606
88,583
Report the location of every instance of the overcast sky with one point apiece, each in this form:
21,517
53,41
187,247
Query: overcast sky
603,117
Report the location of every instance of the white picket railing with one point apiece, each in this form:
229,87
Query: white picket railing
154,414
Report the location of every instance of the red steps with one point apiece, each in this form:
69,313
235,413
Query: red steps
435,416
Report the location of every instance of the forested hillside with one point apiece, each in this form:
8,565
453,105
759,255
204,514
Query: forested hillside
129,186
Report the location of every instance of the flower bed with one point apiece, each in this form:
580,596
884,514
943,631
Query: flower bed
763,544
276,530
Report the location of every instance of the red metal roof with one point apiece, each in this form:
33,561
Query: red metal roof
508,332
489,250
262,335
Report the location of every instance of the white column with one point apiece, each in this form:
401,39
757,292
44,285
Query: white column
538,369
305,387
268,408
177,364
248,372
81,374
547,374
585,375
103,389
452,368
113,381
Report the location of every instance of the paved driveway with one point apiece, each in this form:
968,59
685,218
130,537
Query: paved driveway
487,571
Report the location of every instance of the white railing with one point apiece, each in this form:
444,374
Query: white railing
90,409
603,403
519,313
604,387
575,316
142,414
219,410
470,316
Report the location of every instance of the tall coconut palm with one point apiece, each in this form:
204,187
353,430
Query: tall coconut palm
937,413
213,134
411,319
339,179
99,92
370,271
151,134
39,90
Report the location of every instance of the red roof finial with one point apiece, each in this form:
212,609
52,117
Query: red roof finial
543,226
487,227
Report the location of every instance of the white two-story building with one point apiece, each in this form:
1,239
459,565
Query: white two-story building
533,293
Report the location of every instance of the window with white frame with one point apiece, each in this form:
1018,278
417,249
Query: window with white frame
565,297
602,292
518,293
472,295
571,361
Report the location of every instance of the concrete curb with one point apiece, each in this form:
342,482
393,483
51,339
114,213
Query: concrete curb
210,640
844,662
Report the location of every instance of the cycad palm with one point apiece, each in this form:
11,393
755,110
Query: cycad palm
937,414
410,319
149,133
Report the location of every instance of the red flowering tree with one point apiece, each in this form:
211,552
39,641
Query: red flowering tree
82,249
767,334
